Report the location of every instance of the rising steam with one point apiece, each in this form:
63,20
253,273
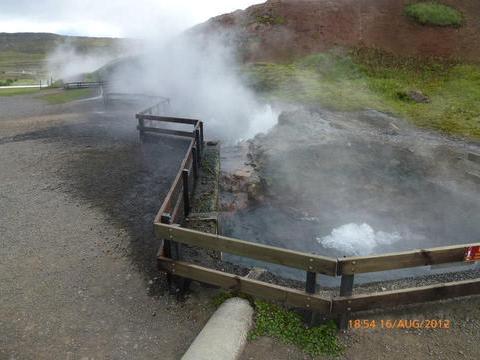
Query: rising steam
69,62
199,75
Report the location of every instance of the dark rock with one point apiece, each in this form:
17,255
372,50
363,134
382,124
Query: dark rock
413,95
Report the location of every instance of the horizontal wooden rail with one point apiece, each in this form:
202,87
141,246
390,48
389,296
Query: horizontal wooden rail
174,120
139,95
474,157
245,285
405,296
308,262
401,260
169,202
166,131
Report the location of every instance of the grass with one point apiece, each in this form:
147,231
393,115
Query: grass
65,96
268,19
287,327
21,91
362,79
433,13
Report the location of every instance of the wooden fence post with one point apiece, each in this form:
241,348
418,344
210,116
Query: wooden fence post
173,250
202,139
310,288
141,126
167,247
195,162
346,289
199,146
186,192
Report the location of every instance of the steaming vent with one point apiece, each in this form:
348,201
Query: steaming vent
357,239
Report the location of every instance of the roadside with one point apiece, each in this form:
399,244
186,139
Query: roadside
78,278
24,86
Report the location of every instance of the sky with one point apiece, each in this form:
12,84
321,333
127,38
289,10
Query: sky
113,18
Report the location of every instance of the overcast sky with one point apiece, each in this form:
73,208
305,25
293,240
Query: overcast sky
116,18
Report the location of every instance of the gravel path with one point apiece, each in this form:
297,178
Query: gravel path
78,194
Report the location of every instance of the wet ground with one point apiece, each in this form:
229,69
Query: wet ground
78,195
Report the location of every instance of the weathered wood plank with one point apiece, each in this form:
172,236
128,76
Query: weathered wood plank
401,260
168,204
474,157
405,296
168,119
166,131
245,285
177,215
308,262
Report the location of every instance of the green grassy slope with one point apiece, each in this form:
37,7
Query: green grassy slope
65,96
15,92
370,79
23,55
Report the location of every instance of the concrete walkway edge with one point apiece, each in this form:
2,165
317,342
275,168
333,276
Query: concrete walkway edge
225,334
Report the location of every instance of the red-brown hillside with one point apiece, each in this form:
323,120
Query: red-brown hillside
281,29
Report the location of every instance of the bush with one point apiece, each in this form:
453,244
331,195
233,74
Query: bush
7,82
433,13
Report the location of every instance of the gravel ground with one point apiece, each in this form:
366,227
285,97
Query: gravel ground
78,194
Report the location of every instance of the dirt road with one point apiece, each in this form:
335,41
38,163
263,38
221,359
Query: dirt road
78,194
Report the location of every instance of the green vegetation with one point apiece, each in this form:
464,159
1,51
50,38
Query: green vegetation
18,91
433,13
7,82
287,327
268,19
363,79
65,96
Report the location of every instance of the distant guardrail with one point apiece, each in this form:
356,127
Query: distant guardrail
82,85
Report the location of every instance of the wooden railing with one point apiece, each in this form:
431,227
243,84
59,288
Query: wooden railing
82,85
175,209
176,205
315,264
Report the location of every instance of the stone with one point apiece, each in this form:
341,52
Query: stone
418,97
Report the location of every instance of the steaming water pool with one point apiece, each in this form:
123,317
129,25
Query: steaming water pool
347,189
286,228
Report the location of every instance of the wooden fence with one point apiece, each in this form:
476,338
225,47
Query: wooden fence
82,85
176,208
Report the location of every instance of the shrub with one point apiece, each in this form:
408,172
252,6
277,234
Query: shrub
433,13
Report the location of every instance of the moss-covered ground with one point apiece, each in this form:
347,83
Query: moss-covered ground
359,79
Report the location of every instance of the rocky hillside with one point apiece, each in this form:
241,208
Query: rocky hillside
284,29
